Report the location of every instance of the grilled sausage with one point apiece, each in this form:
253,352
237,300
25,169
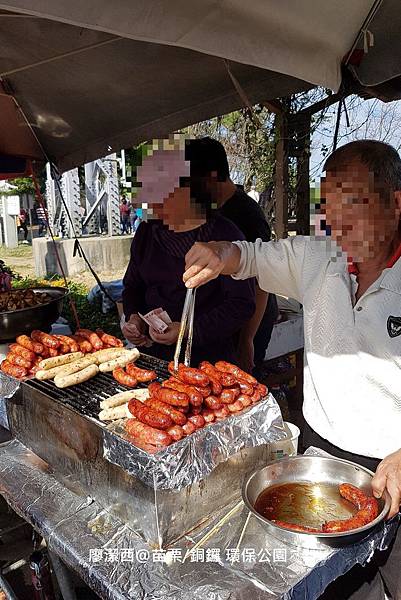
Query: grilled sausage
148,415
68,341
84,345
262,389
245,400
208,415
92,337
122,377
13,370
368,509
146,434
172,397
26,342
16,359
45,338
236,406
178,417
188,428
109,340
176,432
197,420
149,448
213,403
226,379
53,352
142,375
195,398
21,351
256,396
245,387
189,375
222,413
228,396
226,367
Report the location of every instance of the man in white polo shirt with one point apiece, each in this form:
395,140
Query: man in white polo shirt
350,286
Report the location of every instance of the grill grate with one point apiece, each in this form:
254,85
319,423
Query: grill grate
85,397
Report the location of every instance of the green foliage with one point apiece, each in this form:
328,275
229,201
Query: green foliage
24,185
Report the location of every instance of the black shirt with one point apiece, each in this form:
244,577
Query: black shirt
247,215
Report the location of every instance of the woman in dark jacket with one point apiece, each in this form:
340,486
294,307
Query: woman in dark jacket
183,215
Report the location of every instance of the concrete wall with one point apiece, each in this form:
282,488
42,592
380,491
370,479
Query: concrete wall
103,253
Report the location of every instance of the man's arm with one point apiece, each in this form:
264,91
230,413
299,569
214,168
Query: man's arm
248,332
277,266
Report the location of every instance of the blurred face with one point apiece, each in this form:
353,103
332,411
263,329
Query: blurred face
360,220
159,176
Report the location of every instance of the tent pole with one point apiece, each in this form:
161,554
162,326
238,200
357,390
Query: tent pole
281,176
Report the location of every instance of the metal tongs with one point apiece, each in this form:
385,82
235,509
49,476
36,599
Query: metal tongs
186,329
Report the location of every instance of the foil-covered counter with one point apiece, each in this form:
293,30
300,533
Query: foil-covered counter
117,564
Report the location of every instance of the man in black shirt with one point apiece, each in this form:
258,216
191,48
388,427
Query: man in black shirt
209,168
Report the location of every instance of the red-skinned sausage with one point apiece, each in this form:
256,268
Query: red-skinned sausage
197,420
195,398
68,341
26,342
245,400
109,340
148,415
226,379
27,354
142,375
92,338
213,403
222,413
228,396
368,509
45,338
122,377
178,417
189,375
226,367
245,387
16,359
208,415
84,345
176,432
188,428
13,370
172,397
236,406
149,448
262,389
146,434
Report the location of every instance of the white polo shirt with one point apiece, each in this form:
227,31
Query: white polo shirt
352,389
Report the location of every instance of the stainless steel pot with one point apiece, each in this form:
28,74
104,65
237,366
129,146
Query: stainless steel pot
327,473
42,316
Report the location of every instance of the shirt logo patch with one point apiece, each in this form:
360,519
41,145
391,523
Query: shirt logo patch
394,326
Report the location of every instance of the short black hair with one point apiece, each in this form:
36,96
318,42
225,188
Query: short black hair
206,155
381,159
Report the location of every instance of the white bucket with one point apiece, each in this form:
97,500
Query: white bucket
288,446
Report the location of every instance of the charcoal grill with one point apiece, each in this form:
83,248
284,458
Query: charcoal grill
61,426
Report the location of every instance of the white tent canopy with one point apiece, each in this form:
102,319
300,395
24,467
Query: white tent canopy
92,77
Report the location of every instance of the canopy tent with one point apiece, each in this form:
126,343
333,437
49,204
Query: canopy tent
91,78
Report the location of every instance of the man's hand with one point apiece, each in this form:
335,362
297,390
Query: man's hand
388,476
246,354
169,337
206,261
134,330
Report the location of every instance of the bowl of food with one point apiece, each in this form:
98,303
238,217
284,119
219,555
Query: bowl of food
313,502
23,310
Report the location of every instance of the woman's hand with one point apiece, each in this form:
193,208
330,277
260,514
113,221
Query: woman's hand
388,477
206,261
134,330
169,337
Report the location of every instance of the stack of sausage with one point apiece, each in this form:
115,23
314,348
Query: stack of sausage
25,355
189,400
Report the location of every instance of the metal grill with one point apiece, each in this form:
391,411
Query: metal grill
85,397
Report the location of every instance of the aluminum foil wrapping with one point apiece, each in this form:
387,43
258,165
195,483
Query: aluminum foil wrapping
117,564
8,387
196,456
